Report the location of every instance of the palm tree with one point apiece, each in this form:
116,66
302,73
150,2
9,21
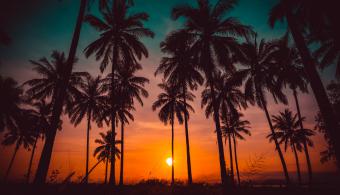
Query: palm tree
52,75
292,11
179,69
172,105
228,97
234,128
21,135
10,101
292,74
288,131
259,75
119,42
103,150
89,102
59,99
214,37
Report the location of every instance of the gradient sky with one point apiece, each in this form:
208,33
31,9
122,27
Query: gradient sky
38,27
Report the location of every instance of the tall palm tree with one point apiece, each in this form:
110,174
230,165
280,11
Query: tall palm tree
59,99
103,151
259,76
288,131
171,105
214,37
234,129
292,74
10,101
89,102
179,69
21,135
52,75
307,12
119,42
228,97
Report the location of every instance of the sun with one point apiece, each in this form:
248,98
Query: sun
169,161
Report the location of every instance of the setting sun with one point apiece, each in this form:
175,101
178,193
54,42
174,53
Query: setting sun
169,161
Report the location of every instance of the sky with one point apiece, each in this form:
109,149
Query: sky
37,27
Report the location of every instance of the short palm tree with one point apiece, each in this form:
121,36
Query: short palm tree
299,16
229,97
119,42
103,151
171,105
288,131
233,129
291,74
89,102
259,63
214,38
21,135
10,101
179,69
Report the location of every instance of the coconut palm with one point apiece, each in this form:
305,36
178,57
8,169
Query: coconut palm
119,43
228,97
89,102
233,129
214,39
259,63
103,151
288,131
300,15
291,74
179,69
171,104
10,101
20,136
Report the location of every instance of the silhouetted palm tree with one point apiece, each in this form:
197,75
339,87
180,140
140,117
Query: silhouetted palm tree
234,128
292,74
228,97
172,105
214,38
89,102
10,100
20,135
288,131
59,99
179,69
259,76
299,15
103,151
119,42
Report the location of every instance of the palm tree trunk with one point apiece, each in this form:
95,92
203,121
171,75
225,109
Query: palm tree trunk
297,164
326,110
187,136
305,146
90,171
225,115
113,117
58,105
172,150
121,182
87,145
223,170
236,161
31,159
11,162
277,145
106,166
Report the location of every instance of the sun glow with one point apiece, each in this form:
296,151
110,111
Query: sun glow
169,161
